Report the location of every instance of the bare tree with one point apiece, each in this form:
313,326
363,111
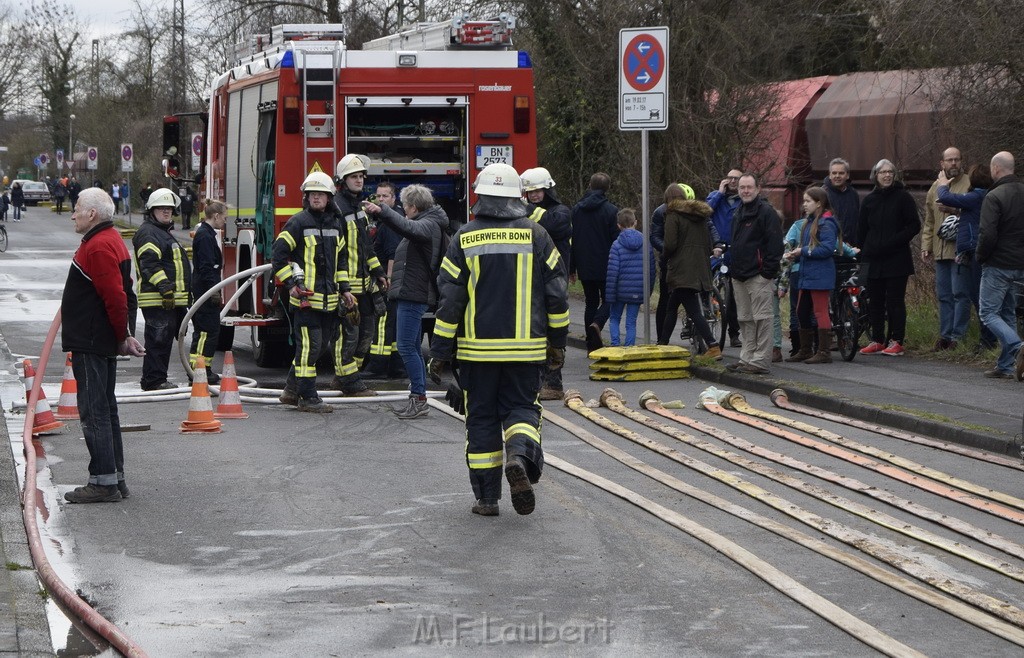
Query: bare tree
13,44
51,25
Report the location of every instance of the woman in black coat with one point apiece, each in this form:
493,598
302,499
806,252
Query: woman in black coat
889,220
17,200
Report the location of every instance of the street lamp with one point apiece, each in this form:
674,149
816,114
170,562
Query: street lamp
71,143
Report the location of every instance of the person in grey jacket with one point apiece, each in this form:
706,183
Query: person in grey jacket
414,281
1000,251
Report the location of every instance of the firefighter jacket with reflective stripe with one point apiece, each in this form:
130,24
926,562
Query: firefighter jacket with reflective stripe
316,243
162,265
503,293
361,263
556,219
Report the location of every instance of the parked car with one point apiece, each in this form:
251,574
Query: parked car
34,191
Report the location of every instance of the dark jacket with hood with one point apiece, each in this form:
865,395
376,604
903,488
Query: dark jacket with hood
688,244
888,222
845,208
658,232
1001,238
418,257
625,281
594,229
757,243
557,221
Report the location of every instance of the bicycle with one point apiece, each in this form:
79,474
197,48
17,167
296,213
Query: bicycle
713,307
847,309
3,238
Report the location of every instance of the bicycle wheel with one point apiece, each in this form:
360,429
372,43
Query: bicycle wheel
847,329
3,239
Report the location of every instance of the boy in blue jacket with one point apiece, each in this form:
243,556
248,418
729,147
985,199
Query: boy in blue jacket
624,285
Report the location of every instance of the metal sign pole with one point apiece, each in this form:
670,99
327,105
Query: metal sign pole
647,237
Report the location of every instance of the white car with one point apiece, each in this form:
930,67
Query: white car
34,191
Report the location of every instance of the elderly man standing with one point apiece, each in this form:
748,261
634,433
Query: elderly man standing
943,251
843,199
756,255
1001,254
97,311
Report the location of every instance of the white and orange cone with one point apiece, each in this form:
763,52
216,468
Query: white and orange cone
200,409
44,419
230,405
67,405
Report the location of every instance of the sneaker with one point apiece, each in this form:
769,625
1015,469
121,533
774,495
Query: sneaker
485,507
1018,364
715,352
996,373
315,406
872,348
94,493
123,489
894,349
417,408
548,393
519,487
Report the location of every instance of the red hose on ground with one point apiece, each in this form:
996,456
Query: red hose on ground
57,587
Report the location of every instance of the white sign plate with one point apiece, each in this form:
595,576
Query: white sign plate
643,78
490,154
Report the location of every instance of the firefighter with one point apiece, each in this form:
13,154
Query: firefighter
208,262
364,270
164,277
547,210
503,301
307,260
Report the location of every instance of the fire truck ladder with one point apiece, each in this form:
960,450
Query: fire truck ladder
319,127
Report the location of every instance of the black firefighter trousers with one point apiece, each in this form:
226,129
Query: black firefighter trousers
502,411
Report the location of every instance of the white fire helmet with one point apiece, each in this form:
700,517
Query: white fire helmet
537,178
499,180
163,198
318,181
353,163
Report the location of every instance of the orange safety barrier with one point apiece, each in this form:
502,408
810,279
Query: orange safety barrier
67,404
200,408
230,405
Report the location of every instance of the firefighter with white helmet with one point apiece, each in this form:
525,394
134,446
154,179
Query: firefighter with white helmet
306,262
364,271
164,275
548,211
511,331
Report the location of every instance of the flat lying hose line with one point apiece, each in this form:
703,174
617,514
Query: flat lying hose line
650,402
737,402
830,612
965,612
781,400
898,474
892,554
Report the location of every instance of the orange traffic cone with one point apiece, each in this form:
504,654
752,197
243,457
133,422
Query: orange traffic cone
44,420
67,405
200,409
230,405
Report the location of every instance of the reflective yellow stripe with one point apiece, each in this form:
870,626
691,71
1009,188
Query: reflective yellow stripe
490,356
444,329
288,239
287,212
149,246
372,262
552,260
525,429
283,273
309,257
158,277
503,343
537,214
346,369
318,301
473,265
179,268
558,320
449,267
301,369
524,295
484,459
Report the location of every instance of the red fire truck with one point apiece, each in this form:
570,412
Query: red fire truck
430,105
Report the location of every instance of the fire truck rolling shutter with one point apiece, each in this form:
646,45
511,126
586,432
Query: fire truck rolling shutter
244,157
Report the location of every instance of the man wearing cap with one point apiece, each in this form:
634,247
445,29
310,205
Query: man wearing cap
503,302
165,275
97,311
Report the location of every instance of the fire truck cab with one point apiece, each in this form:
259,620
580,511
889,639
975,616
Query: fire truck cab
431,105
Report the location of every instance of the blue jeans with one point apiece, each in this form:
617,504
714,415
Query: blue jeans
97,407
632,310
409,336
998,311
966,285
948,304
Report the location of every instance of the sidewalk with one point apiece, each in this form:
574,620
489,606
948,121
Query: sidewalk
942,400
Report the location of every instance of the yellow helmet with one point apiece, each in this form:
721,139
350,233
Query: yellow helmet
163,198
318,181
687,191
537,178
353,163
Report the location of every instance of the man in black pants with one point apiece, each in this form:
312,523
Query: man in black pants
208,263
594,230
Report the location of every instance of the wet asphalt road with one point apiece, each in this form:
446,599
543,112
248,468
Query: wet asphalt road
350,534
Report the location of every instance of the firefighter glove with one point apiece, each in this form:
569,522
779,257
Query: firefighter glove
434,368
556,357
168,299
455,398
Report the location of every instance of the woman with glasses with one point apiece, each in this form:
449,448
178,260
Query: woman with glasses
889,220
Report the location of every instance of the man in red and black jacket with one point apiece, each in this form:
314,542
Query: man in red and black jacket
98,310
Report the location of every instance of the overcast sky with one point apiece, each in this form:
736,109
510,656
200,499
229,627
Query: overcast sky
111,16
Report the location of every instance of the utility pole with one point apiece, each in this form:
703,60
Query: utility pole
95,68
179,64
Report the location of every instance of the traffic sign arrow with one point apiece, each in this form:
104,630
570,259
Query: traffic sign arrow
643,78
643,47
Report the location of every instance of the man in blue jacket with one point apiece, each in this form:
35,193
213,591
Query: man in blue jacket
594,229
724,201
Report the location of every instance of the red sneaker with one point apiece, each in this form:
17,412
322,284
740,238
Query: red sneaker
872,348
894,349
